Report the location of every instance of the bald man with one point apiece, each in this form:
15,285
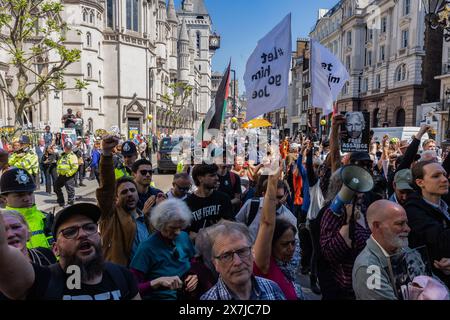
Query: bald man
389,226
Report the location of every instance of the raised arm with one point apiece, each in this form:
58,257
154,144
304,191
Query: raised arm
263,242
106,191
335,154
413,148
16,272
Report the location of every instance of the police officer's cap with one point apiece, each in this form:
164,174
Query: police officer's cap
16,180
24,140
68,145
129,148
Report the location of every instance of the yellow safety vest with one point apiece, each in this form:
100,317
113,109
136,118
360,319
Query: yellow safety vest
36,223
180,166
67,165
27,161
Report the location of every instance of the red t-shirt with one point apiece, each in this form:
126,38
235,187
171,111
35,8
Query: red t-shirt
276,275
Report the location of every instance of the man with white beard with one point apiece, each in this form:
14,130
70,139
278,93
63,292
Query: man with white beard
389,226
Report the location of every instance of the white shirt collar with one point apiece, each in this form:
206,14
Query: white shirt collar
382,249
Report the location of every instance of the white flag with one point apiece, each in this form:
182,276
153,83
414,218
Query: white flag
328,76
267,73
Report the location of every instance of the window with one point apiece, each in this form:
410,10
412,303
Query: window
365,86
84,16
382,53
383,25
401,73
89,96
348,62
349,38
110,8
345,88
133,15
405,38
378,81
369,58
400,118
198,40
407,7
100,78
91,17
100,109
89,70
99,49
89,39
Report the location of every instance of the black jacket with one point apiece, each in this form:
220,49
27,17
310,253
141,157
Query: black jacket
429,227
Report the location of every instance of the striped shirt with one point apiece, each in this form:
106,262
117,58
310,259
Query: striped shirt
262,289
335,250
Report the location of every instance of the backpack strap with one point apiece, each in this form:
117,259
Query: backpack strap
254,207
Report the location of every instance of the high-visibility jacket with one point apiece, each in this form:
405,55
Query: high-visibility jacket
67,165
40,236
25,160
180,166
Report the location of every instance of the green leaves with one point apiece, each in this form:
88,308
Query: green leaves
80,84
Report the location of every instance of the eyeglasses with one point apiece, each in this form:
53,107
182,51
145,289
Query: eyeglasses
227,257
145,172
72,232
184,189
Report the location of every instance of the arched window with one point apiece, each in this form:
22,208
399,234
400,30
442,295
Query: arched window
152,83
90,125
84,16
89,97
91,17
99,77
89,70
100,107
400,118
99,49
401,73
89,39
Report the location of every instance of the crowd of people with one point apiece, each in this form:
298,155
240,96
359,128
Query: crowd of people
228,232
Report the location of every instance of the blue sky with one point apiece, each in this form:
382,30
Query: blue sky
241,23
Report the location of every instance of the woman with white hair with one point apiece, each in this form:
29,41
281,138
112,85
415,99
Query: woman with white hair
162,262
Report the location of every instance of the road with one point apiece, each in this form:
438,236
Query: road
48,203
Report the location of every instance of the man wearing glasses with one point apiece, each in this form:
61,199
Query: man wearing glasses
233,260
148,196
181,186
78,246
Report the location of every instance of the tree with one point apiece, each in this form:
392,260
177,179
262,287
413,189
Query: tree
32,36
177,101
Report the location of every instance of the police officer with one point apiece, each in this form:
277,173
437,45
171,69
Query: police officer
66,169
24,158
129,153
17,187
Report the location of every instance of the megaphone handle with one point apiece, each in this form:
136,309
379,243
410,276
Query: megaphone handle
351,224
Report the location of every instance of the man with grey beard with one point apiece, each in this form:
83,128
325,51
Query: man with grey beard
80,274
389,226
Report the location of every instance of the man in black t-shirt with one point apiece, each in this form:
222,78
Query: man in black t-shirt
69,119
208,206
80,274
230,183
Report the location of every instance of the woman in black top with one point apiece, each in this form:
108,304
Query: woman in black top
49,160
58,140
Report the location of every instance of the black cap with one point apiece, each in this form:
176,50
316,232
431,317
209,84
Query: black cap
68,144
128,148
86,209
16,180
360,156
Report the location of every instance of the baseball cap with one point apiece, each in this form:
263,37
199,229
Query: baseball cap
128,148
403,179
86,209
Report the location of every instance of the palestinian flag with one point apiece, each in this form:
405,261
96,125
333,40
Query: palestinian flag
216,114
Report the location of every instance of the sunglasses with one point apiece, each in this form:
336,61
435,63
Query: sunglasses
184,189
145,172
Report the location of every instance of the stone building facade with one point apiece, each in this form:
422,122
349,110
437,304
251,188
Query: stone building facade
131,51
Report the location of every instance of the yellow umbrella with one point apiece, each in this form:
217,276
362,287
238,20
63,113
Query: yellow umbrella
256,123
